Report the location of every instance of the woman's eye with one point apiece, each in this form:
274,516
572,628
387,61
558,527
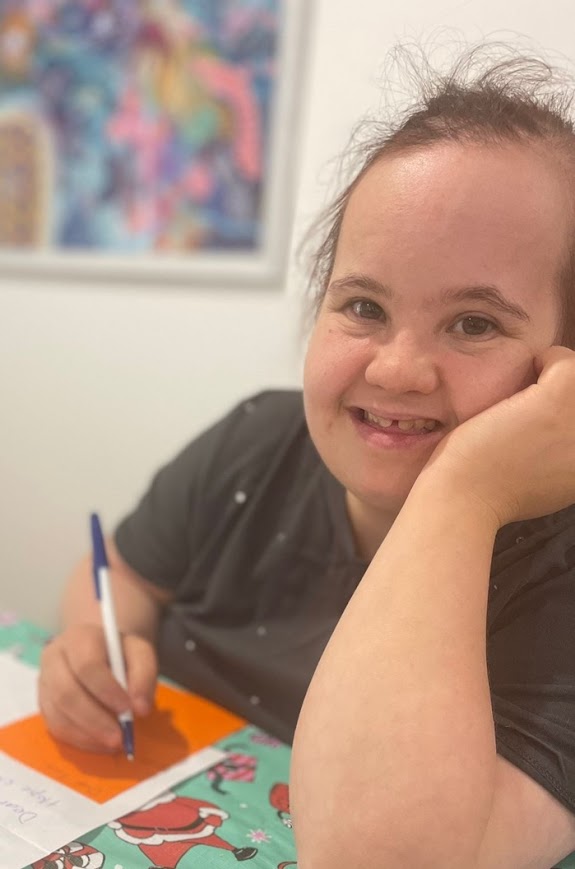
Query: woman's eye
364,309
475,326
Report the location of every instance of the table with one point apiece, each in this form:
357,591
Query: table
237,811
245,799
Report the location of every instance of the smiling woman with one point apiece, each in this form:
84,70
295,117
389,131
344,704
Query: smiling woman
441,283
396,545
419,321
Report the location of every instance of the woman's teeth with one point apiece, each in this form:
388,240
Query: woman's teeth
402,424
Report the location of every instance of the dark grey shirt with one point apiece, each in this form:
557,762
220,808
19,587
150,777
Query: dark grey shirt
249,530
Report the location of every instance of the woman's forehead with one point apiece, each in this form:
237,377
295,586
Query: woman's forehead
505,201
448,178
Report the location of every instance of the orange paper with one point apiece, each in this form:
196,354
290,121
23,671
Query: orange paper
180,724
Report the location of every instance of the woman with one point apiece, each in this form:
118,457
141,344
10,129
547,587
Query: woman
431,482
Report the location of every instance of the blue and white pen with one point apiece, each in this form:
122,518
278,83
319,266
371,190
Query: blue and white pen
111,633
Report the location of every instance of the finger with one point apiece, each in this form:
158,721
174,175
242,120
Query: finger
87,659
65,730
142,672
70,712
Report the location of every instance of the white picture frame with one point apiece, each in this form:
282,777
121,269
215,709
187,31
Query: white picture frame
264,266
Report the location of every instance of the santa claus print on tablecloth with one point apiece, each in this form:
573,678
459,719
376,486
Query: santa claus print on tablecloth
168,827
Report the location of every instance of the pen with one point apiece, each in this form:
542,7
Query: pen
111,633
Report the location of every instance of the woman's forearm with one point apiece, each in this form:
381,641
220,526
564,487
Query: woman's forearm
394,755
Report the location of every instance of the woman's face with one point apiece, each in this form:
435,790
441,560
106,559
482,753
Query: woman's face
444,287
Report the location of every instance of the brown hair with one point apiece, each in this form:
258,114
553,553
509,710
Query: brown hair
516,99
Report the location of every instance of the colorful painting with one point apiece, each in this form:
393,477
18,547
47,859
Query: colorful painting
139,127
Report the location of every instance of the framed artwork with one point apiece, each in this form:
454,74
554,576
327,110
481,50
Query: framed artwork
149,139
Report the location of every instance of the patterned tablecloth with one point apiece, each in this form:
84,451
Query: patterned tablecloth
244,800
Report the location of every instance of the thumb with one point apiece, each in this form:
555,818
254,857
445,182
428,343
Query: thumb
142,672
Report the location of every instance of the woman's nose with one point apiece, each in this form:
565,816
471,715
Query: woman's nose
403,365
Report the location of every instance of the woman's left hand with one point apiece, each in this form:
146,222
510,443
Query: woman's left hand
518,456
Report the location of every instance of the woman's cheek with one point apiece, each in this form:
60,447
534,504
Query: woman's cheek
325,357
480,388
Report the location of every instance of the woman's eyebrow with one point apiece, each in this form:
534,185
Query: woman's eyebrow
486,293
360,282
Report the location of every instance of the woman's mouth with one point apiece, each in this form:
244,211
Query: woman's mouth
389,432
406,426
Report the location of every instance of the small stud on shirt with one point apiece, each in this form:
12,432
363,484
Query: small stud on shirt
249,406
261,631
281,537
255,701
190,646
519,539
240,497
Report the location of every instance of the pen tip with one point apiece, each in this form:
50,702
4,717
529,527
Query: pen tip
130,756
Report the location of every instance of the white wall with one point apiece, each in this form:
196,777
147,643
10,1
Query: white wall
99,385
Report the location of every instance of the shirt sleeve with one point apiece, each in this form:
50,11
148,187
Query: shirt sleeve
531,661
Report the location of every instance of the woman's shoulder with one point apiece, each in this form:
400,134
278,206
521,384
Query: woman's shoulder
261,432
259,423
277,407
253,426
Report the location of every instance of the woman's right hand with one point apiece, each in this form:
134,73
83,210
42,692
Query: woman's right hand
517,457
78,695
